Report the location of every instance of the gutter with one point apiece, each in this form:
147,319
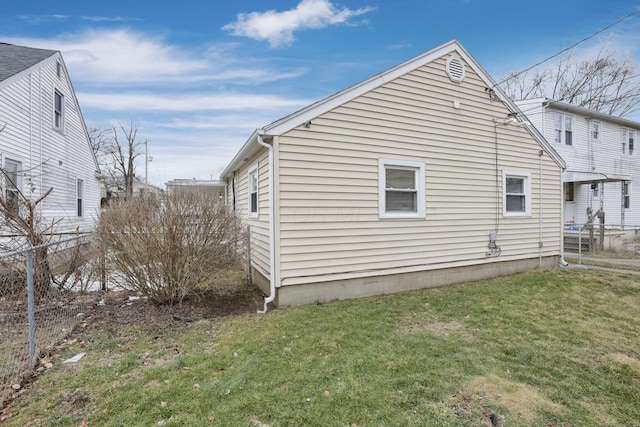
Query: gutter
272,240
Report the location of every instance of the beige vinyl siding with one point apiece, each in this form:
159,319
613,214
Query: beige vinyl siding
328,182
259,235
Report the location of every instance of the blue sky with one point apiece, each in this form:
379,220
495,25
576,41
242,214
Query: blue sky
198,77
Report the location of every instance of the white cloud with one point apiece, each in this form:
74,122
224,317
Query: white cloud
105,18
195,105
123,57
120,56
278,27
138,101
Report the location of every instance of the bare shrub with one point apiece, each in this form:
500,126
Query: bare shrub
23,223
78,267
169,247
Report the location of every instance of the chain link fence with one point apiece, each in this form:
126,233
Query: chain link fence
602,239
42,298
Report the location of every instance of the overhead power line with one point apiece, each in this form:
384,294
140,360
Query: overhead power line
572,46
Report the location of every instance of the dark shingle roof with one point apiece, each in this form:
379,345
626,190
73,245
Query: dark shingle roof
14,59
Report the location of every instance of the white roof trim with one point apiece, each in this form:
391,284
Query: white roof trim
564,106
249,148
314,110
585,177
302,116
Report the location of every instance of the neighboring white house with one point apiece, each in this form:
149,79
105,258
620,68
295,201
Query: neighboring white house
44,142
603,162
117,191
420,176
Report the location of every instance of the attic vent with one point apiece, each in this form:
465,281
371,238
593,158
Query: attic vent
455,69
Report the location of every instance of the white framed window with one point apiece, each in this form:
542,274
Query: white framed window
58,110
595,190
516,193
564,128
79,197
12,184
596,130
253,191
626,195
401,189
628,140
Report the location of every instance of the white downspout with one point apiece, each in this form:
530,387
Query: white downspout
272,240
540,242
561,261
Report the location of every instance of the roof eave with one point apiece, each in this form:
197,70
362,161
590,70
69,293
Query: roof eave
249,148
561,105
304,115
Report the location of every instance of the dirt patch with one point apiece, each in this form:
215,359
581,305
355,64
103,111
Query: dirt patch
497,398
126,308
438,328
114,311
631,360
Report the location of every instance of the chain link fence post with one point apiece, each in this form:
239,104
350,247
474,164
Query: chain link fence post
31,309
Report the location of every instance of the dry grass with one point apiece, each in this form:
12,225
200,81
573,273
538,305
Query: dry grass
551,348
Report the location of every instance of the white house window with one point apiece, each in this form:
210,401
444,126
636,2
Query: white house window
12,184
58,110
401,192
595,190
517,193
79,196
564,128
626,195
253,191
628,137
595,130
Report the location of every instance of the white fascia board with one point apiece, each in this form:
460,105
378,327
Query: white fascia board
563,106
314,110
249,148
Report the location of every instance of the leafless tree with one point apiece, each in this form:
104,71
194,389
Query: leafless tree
101,139
605,83
20,216
117,148
22,224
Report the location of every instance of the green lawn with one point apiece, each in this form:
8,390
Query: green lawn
550,348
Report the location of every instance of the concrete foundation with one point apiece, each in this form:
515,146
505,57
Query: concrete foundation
293,295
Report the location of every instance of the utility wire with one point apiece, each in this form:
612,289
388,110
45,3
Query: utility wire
571,47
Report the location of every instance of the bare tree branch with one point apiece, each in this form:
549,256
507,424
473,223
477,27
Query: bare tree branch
604,83
117,149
